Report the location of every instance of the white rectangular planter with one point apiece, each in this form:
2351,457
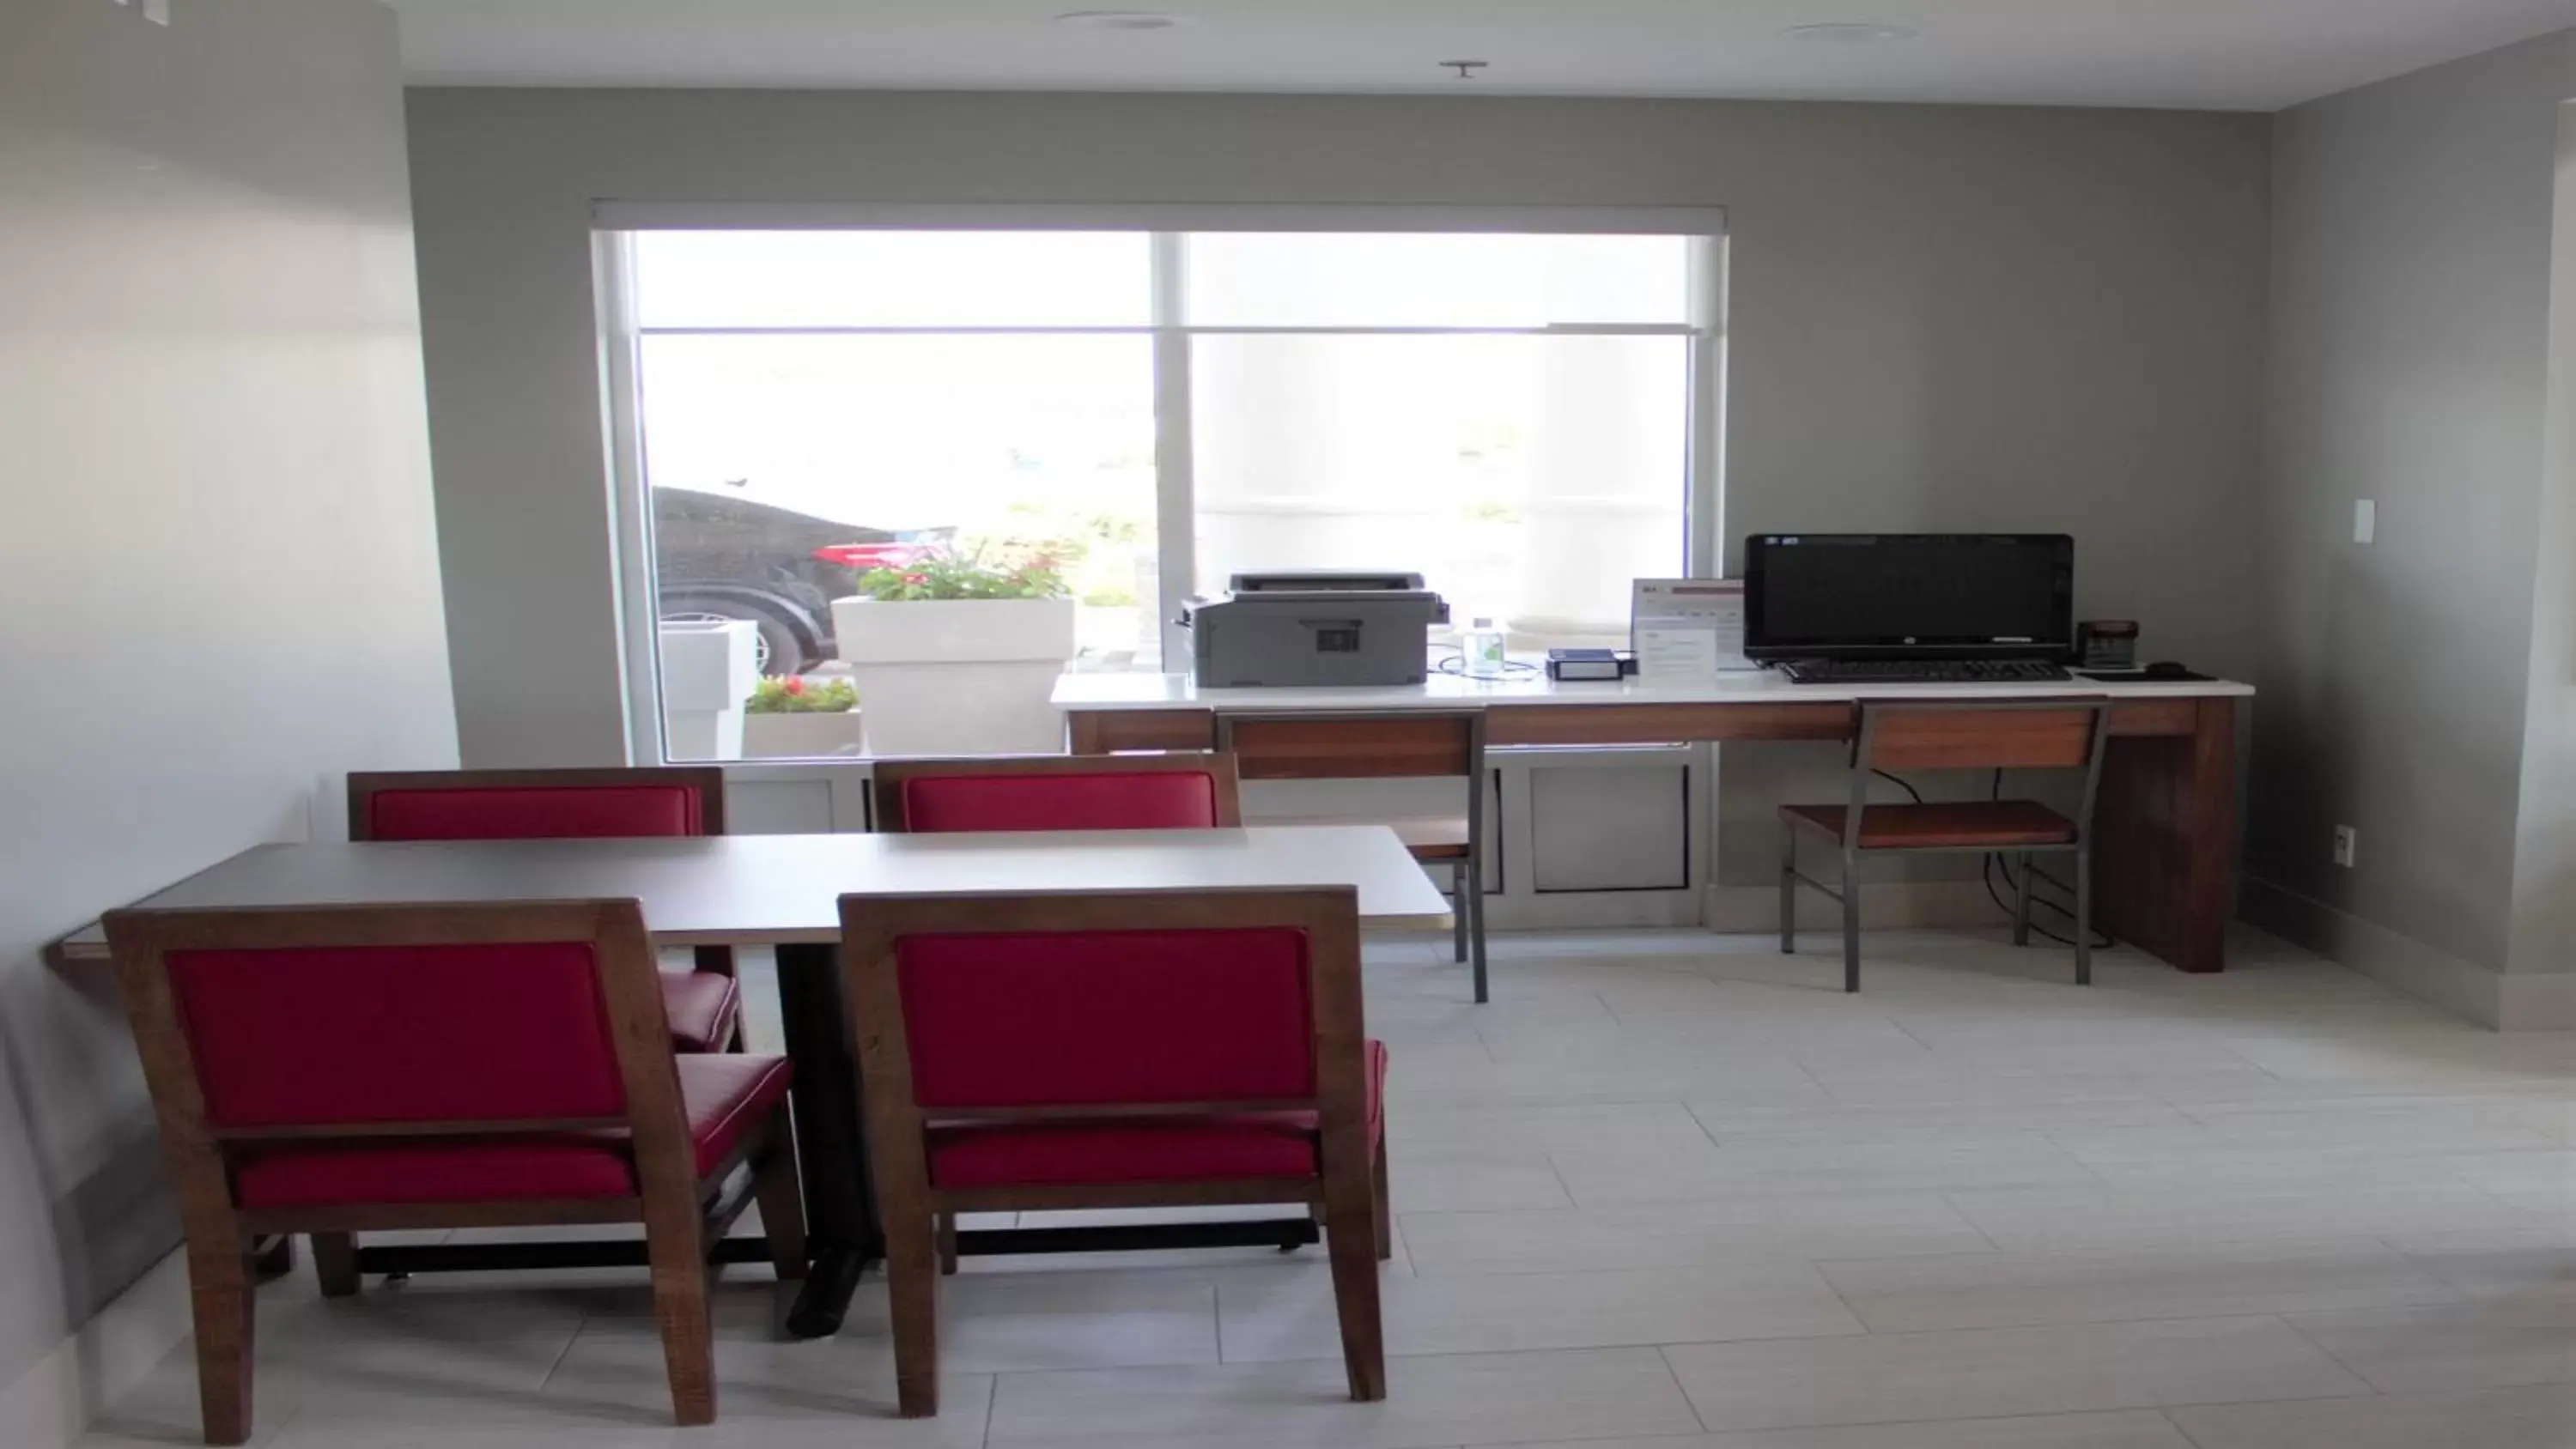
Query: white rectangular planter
957,676
802,736
708,670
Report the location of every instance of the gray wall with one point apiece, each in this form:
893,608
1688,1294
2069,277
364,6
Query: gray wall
1943,317
217,573
2409,364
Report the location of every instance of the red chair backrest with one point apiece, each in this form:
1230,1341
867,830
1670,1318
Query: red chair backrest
534,812
1104,1018
1093,800
319,1036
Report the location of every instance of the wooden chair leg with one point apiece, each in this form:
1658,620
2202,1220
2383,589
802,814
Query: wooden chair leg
1351,1238
947,1245
676,1246
782,1203
223,1306
1379,1207
335,1262
274,1258
912,1285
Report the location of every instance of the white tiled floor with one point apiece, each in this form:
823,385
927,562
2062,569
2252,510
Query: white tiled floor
1675,1191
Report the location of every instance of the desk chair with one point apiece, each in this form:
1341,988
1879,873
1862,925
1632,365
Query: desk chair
1057,792
336,1070
2060,734
1146,1049
1401,745
704,1005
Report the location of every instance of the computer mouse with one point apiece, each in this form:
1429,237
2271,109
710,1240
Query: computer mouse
2166,669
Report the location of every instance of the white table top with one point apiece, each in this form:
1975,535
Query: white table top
772,889
1450,691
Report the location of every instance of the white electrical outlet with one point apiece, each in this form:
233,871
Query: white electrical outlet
2365,520
2346,839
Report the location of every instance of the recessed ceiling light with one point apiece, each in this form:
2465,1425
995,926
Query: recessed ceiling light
1123,20
1850,32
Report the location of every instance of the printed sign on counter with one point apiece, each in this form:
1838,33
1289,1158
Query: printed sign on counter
1687,628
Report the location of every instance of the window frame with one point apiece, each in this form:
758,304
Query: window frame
621,335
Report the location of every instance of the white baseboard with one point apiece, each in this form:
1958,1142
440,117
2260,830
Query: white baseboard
54,1403
2500,1000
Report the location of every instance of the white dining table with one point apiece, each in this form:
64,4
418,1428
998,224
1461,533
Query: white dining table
784,892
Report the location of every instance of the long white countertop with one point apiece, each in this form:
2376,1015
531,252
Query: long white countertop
1077,692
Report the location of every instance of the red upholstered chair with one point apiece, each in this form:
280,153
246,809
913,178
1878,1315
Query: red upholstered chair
1153,1049
1058,792
334,1071
705,1005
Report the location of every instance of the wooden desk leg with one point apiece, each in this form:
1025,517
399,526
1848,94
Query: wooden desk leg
2164,869
831,1149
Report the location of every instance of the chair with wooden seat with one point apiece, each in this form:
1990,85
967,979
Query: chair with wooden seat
1117,1050
1057,792
704,1005
1397,745
2052,734
348,1069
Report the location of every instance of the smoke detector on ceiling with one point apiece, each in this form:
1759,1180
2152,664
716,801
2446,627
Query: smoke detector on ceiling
1850,32
1124,20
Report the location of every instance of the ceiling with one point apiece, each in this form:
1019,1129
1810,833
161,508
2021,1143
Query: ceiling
2203,54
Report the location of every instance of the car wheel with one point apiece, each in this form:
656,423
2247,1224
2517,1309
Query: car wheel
779,650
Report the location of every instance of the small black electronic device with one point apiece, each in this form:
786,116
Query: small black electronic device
2107,643
1900,596
1923,671
1590,666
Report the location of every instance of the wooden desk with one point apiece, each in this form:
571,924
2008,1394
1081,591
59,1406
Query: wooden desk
784,891
2166,819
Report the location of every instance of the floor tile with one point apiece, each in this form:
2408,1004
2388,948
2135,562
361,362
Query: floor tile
1304,1404
2076,1219
1680,1235
1289,1314
2480,1345
2196,1281
1816,1165
2536,1418
2047,1431
1998,1373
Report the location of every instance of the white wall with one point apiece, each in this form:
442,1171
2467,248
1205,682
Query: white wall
2409,364
1942,318
218,577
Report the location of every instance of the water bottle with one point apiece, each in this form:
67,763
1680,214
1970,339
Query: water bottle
1484,645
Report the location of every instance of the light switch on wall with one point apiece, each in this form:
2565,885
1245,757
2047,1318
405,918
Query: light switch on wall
2365,520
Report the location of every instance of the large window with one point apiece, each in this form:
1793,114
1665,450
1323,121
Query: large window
1511,415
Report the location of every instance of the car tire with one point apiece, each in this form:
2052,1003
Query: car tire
783,649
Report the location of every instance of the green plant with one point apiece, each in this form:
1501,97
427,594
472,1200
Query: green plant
792,695
978,574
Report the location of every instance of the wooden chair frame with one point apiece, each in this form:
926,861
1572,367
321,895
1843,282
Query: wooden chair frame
1349,1194
1345,754
707,781
889,777
683,1214
1863,762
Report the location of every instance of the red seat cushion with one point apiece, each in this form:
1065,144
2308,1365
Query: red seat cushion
725,1096
1137,800
702,1007
557,812
1276,1144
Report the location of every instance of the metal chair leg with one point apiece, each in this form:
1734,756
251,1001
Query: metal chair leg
2083,918
1476,928
1788,891
1851,926
2021,899
1458,911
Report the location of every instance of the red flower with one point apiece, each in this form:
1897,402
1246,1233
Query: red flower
916,579
795,684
